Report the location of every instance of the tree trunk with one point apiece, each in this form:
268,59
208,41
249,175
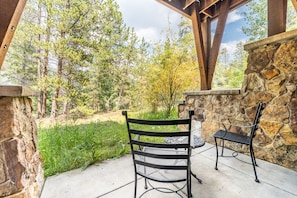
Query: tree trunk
39,99
57,90
45,75
59,74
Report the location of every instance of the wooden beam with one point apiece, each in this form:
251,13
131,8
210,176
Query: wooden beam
199,41
6,13
277,16
207,4
188,3
210,8
177,6
294,2
224,10
206,35
201,13
10,13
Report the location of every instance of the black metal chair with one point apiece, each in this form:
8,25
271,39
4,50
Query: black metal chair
158,161
227,135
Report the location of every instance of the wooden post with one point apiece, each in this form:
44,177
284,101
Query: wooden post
277,16
10,13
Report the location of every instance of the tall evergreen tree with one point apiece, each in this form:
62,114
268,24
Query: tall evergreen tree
81,51
256,19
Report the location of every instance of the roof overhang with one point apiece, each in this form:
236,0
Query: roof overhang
207,8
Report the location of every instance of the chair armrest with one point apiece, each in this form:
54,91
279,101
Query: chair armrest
234,122
229,123
236,125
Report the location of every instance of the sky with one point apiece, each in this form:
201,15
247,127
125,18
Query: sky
150,18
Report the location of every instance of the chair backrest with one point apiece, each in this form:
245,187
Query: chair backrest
151,154
256,121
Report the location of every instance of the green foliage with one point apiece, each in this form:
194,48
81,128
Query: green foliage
256,18
78,52
173,70
230,74
20,63
87,60
291,17
67,147
158,115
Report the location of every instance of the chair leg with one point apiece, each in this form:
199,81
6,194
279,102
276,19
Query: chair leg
217,154
254,155
135,186
189,185
195,176
223,145
254,163
145,184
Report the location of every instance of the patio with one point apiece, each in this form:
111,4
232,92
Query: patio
115,178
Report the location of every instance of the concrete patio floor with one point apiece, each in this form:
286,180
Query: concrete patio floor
115,179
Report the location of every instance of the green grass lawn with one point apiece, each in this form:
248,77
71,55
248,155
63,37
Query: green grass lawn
66,147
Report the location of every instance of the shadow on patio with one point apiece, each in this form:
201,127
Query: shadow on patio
115,179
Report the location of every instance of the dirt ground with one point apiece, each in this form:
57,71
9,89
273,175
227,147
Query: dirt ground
100,117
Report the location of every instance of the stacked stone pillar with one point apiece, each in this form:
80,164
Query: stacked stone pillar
21,173
270,77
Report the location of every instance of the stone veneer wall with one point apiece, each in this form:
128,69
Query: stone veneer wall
270,77
21,173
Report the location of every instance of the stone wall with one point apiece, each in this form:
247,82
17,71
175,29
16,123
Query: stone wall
21,173
271,77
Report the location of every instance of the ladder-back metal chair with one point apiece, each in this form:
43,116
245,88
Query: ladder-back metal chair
158,161
227,135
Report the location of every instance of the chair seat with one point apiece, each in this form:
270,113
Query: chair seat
234,137
241,139
163,175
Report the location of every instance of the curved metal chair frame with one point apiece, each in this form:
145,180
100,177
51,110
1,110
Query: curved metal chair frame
227,135
156,160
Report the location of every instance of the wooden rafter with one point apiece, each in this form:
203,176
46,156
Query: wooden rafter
10,13
189,3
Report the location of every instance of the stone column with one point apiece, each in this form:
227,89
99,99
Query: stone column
270,77
21,172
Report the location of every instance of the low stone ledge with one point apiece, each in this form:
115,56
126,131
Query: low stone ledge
278,38
15,91
213,92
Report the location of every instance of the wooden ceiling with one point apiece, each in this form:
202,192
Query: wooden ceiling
207,8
